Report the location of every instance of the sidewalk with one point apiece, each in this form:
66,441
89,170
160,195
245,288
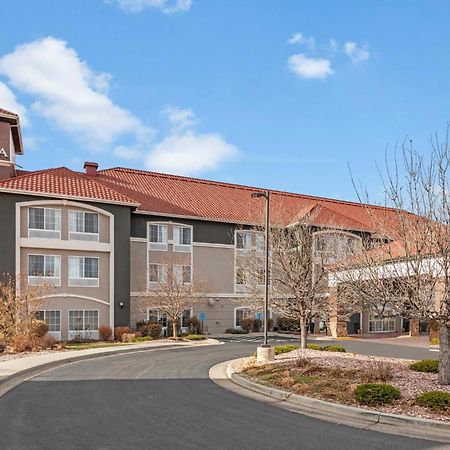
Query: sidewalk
28,365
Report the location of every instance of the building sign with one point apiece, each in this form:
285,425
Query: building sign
3,153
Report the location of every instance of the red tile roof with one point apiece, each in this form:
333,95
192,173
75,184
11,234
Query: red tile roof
191,197
65,183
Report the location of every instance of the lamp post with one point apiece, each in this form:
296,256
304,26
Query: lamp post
265,352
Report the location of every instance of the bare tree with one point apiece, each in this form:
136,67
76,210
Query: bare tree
172,289
408,272
298,288
18,310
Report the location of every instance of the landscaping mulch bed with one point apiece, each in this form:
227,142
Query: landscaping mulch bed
334,376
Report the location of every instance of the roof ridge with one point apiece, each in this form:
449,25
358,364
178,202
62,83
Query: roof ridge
247,187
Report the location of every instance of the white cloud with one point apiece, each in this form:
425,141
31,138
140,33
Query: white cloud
190,153
300,38
355,53
180,118
306,67
166,6
70,94
9,102
333,45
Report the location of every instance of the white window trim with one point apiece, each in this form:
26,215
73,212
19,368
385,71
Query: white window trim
34,280
83,333
245,249
48,232
382,319
83,233
239,308
155,283
182,266
72,280
55,334
182,248
158,246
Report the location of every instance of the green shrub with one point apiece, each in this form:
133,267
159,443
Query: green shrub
234,331
314,346
426,365
257,325
334,348
436,400
285,324
285,348
376,394
194,325
434,341
195,337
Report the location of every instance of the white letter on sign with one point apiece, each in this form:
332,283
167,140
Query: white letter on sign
3,153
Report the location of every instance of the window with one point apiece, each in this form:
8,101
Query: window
243,240
44,269
83,226
83,271
261,276
44,222
158,237
239,314
185,316
83,322
157,273
155,316
260,241
331,247
381,324
182,274
240,276
182,239
52,319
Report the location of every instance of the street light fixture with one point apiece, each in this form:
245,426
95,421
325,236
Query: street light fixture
266,353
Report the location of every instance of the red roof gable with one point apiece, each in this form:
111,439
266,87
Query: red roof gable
63,182
4,111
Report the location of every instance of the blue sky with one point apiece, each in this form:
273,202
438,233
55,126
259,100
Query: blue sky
280,94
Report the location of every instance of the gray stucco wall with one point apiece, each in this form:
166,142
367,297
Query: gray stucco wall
121,247
204,231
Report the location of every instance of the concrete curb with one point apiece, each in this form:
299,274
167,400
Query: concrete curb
347,415
10,381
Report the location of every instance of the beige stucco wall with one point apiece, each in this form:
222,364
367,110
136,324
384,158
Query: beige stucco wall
64,304
103,227
101,292
219,312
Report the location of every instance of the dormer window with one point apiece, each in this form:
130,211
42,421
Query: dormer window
83,226
44,223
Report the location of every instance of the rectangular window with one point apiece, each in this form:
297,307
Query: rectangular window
182,239
83,226
157,273
240,313
182,274
44,269
158,237
243,240
44,222
52,319
260,241
83,322
155,316
83,271
381,324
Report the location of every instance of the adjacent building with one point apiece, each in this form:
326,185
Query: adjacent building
99,240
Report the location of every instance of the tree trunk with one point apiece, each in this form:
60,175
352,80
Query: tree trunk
444,354
302,332
174,328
